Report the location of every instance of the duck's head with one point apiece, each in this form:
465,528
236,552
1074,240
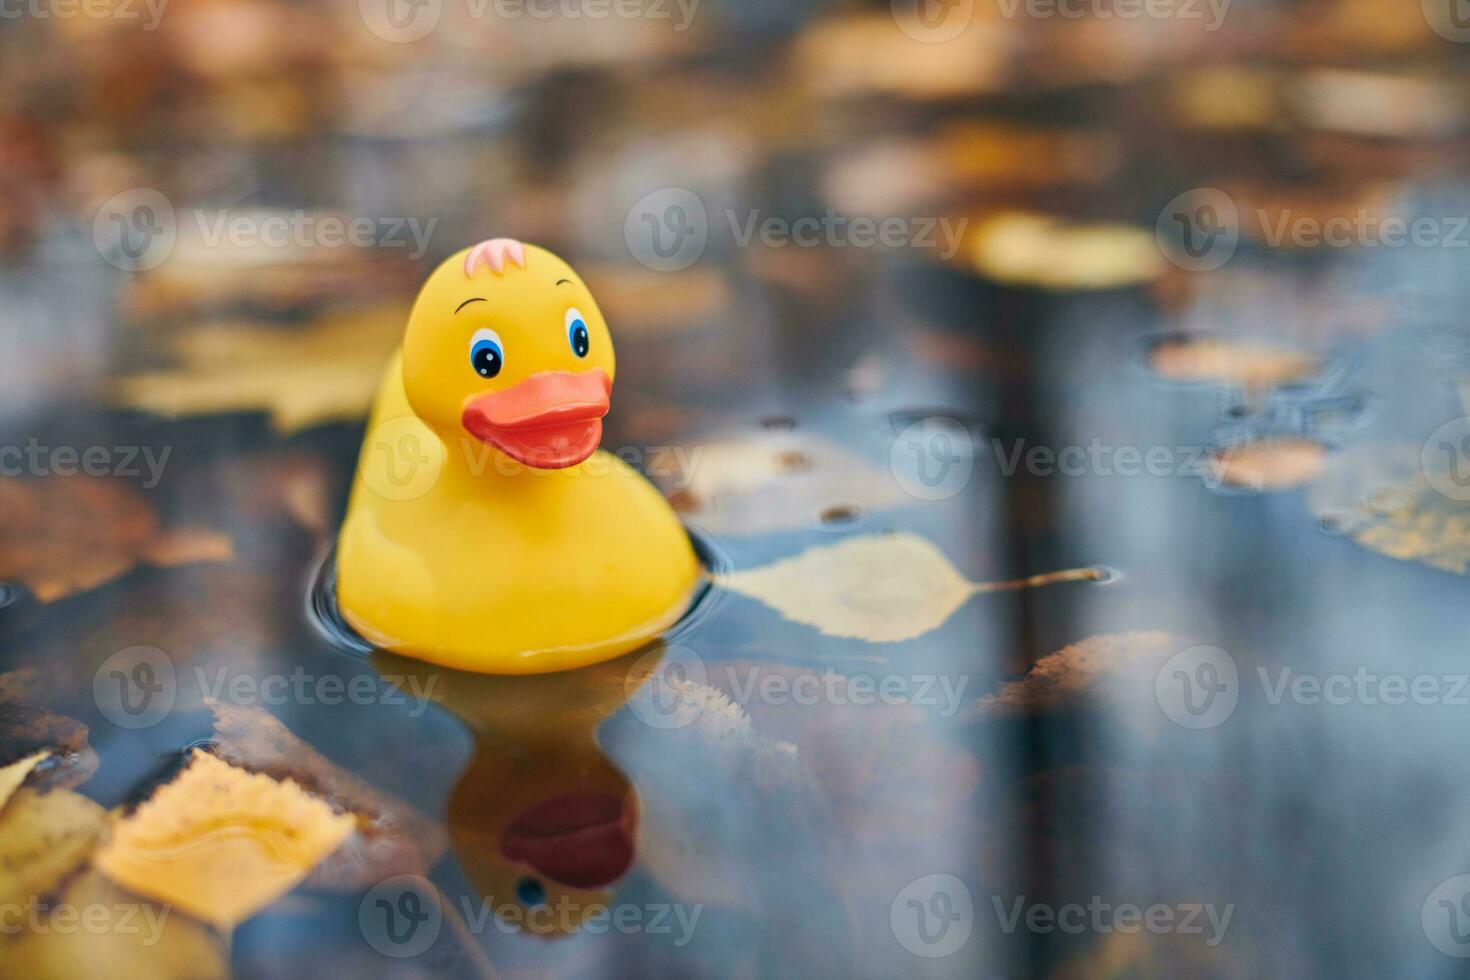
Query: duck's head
506,345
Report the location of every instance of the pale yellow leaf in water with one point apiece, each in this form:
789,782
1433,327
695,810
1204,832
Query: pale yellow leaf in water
43,838
1380,496
136,940
881,588
325,371
1039,250
221,843
13,775
769,481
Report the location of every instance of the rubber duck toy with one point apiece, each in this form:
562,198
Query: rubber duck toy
485,531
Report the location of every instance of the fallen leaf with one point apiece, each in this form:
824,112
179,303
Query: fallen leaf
1230,362
769,481
143,941
881,588
1380,496
1060,680
1226,97
186,546
1375,104
862,55
61,535
390,838
325,371
28,730
43,838
221,843
1047,252
13,775
1269,464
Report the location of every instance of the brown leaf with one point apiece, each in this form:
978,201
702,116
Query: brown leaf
43,838
61,535
1269,464
1223,361
1059,681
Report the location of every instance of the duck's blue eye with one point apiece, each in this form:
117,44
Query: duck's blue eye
530,891
486,355
577,334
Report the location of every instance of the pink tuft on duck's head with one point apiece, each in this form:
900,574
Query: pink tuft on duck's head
495,253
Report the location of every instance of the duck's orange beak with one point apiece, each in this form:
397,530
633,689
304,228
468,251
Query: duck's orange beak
550,420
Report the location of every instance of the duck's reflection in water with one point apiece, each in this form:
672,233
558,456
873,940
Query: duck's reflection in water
542,823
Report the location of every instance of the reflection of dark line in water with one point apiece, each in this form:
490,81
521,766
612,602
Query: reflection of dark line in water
326,616
8,594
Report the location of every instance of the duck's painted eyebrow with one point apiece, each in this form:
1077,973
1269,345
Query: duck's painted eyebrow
560,281
476,299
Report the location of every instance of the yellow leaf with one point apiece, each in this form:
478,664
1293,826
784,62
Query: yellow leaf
135,940
881,588
13,775
325,371
1039,250
1269,464
43,838
1380,496
221,843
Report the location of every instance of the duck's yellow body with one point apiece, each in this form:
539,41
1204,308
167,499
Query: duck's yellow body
484,532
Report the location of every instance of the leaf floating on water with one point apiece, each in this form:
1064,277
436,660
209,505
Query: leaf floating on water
324,371
1269,464
149,942
1380,496
13,775
1039,250
65,534
390,838
221,843
1230,362
881,588
43,838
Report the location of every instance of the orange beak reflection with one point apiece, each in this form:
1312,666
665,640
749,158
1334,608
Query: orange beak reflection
550,420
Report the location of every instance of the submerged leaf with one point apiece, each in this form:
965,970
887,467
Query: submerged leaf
142,941
1249,364
13,775
64,534
1040,250
222,843
1269,464
1380,496
324,371
43,838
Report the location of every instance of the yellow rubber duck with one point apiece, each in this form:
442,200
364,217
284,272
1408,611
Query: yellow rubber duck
485,531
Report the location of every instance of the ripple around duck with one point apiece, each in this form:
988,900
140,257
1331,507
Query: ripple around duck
325,615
